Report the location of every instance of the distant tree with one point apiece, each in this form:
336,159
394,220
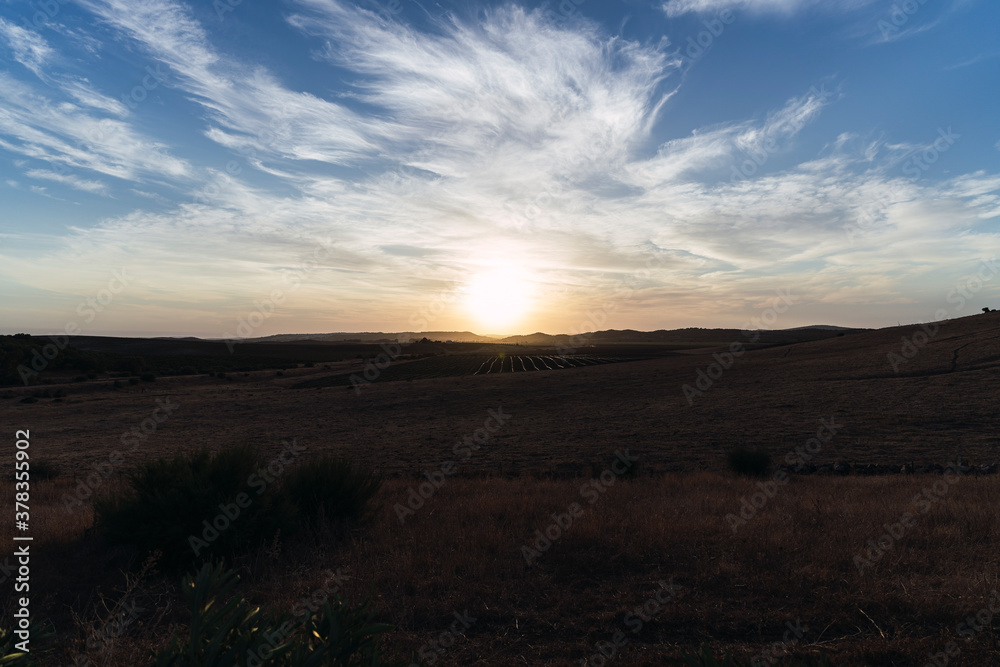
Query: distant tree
987,310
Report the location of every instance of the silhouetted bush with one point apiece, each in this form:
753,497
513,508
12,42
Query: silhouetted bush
749,462
177,505
147,377
341,489
197,506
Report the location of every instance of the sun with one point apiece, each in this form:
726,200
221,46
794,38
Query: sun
498,299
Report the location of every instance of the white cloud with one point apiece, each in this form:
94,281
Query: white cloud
29,48
507,140
84,93
674,8
63,133
95,187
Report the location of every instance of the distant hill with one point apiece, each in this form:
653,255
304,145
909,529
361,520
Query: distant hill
689,335
377,337
610,336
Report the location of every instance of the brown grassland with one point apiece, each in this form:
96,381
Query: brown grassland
792,564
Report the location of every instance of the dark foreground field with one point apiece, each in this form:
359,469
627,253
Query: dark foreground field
654,559
882,570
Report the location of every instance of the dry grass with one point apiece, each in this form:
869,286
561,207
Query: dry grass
791,562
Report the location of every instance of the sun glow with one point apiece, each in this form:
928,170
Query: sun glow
498,299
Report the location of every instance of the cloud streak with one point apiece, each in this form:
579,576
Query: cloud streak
460,146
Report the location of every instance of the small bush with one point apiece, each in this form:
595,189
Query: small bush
749,462
198,506
147,377
177,505
29,399
339,488
133,380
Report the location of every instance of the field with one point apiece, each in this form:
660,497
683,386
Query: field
458,365
741,559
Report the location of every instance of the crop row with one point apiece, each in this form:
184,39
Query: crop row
459,365
522,364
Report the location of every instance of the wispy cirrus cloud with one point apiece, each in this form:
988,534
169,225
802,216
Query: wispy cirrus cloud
27,47
62,133
75,182
501,139
674,8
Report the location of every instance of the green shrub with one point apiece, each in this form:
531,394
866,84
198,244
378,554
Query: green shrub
749,462
29,399
225,632
339,488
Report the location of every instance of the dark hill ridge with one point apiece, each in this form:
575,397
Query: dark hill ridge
709,337
606,337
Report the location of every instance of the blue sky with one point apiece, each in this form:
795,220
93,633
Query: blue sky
317,165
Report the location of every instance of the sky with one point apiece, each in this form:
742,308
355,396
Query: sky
243,168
